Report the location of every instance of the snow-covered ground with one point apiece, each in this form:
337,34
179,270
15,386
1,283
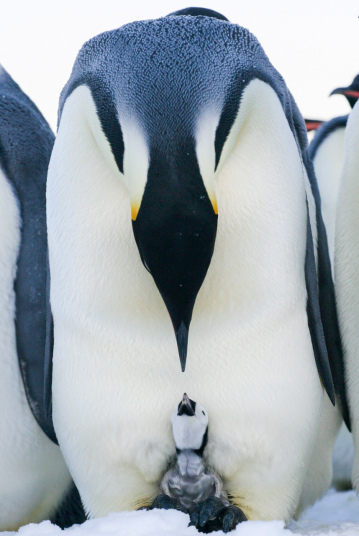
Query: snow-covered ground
337,514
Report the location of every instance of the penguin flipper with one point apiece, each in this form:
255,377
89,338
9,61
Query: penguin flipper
70,511
329,316
321,307
49,348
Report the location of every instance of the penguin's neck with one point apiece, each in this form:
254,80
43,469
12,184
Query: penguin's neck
189,463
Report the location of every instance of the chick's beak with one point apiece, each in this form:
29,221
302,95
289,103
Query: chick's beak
186,407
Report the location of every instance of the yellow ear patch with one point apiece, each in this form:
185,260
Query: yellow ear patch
135,207
214,205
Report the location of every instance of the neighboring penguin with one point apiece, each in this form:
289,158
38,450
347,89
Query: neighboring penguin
346,273
327,152
33,476
180,124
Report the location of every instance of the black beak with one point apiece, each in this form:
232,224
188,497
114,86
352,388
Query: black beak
186,407
312,124
338,91
352,95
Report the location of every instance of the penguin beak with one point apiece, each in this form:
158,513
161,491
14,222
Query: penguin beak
185,407
312,124
345,91
337,91
175,231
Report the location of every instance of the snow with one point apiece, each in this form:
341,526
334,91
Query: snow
337,514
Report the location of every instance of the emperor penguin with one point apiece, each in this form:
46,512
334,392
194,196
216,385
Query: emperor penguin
33,475
189,485
346,273
327,152
180,196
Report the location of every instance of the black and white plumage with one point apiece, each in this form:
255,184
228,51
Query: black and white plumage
346,272
172,121
327,153
33,475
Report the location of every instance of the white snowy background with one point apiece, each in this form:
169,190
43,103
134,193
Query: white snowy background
313,43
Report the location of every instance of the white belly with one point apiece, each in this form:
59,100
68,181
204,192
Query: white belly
117,374
346,274
33,475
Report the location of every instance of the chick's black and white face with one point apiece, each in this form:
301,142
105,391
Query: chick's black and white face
189,424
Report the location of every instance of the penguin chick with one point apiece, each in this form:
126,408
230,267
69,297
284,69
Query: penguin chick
190,484
189,481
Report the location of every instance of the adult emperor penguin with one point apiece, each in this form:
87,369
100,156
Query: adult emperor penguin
170,122
327,153
35,483
33,474
346,273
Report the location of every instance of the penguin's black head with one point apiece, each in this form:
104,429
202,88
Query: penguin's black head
167,93
351,92
198,11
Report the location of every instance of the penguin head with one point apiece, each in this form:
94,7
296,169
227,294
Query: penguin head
190,425
351,92
167,93
197,12
174,216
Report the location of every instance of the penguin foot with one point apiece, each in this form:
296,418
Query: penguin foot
165,502
231,517
203,512
211,515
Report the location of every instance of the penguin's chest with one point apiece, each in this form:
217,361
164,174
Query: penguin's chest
117,375
11,391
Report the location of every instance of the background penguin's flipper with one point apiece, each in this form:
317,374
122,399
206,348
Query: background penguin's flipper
70,511
324,329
